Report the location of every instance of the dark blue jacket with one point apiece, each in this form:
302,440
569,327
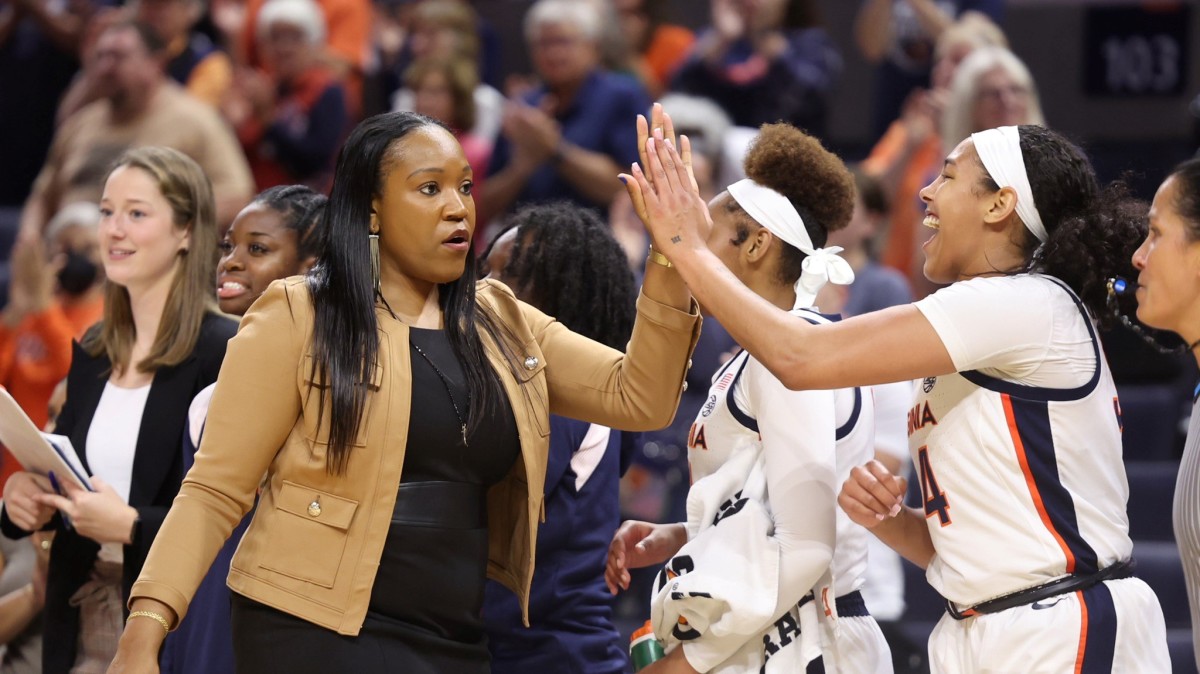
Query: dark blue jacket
600,119
570,610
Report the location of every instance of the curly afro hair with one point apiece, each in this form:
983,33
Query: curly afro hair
566,262
814,179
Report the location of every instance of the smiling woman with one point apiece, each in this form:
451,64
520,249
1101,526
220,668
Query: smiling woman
129,386
401,420
1018,448
270,239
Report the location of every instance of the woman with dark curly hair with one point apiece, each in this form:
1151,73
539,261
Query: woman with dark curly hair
1016,429
562,259
765,461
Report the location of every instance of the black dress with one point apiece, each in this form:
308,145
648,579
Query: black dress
424,615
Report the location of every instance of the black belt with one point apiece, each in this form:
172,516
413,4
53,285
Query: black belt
447,505
849,605
1064,585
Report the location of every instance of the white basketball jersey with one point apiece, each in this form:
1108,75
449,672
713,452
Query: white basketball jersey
726,421
1020,484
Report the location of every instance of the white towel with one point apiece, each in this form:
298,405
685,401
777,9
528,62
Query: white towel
719,592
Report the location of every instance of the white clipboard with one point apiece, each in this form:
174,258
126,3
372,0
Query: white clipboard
38,452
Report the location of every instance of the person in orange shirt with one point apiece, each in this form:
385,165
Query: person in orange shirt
192,59
347,42
49,305
911,150
292,116
658,47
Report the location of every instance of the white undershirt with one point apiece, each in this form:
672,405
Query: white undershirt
113,435
111,444
585,459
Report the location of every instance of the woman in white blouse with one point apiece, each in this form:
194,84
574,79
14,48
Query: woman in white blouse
132,378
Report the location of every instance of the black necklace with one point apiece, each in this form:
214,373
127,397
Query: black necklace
446,383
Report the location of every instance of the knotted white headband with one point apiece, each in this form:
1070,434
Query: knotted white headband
773,211
1000,151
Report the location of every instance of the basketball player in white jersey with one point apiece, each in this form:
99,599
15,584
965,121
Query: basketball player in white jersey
1016,433
734,598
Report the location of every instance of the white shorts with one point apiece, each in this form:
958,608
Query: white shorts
861,648
1116,626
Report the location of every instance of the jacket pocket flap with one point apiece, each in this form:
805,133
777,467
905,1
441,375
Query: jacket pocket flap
316,505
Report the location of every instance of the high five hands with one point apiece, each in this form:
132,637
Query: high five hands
663,187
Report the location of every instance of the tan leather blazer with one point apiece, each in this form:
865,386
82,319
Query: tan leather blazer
316,539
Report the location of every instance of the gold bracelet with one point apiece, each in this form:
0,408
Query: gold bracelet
153,616
658,258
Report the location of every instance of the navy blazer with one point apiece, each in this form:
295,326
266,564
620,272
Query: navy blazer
157,473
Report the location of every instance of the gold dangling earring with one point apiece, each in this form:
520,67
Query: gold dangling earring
373,240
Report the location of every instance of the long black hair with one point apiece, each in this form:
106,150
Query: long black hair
345,349
1091,230
566,262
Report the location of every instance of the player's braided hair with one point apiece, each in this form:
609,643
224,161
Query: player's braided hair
301,207
814,179
568,264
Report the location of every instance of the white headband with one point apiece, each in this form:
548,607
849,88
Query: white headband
773,211
1000,151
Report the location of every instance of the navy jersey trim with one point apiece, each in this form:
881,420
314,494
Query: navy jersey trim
1039,392
1031,419
847,427
807,315
1100,621
721,370
738,415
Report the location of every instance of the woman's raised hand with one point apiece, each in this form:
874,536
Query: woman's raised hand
659,121
663,189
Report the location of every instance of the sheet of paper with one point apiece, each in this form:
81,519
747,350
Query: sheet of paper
33,449
62,445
